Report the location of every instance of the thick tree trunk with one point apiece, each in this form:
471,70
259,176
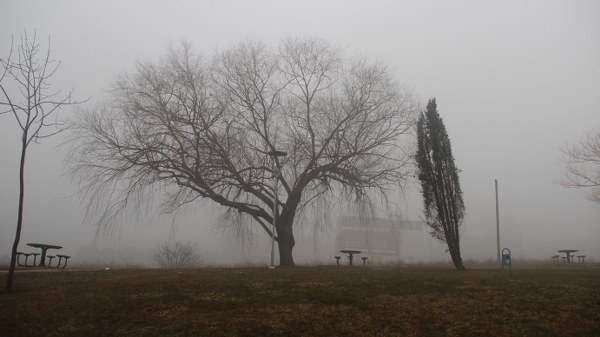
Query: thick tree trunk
458,263
286,259
455,255
286,243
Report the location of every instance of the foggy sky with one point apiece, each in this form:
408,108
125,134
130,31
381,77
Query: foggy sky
515,82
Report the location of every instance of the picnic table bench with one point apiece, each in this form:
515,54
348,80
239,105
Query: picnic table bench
44,248
568,258
350,253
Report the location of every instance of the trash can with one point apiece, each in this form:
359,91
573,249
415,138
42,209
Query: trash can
506,259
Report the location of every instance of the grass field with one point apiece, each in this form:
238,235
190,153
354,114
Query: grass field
318,301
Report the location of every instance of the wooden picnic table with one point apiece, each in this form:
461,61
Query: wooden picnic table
350,253
44,247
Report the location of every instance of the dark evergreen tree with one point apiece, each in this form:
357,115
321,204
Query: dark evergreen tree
442,197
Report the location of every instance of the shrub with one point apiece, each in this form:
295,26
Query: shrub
177,254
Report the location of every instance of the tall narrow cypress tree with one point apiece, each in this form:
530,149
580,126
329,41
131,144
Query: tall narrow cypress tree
442,196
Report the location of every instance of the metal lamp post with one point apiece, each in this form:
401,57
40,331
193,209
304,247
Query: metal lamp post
276,173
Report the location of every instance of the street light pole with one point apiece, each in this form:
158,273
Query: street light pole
276,174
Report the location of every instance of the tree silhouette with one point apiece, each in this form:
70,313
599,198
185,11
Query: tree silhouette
440,187
177,254
202,129
26,94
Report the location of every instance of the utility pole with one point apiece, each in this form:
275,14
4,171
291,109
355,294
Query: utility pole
497,222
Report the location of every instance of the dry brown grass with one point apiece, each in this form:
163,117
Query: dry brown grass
304,302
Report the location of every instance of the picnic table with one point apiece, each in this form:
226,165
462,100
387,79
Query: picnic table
568,254
350,253
44,247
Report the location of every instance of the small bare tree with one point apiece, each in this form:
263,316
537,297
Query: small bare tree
203,129
177,255
583,165
26,94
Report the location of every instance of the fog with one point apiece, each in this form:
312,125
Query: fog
514,82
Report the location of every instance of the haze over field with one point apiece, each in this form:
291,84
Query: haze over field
514,82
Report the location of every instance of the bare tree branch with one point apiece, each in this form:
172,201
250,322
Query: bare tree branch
582,165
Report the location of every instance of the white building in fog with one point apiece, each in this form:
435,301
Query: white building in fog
389,240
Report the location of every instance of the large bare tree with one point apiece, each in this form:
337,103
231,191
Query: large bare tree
199,127
25,76
583,165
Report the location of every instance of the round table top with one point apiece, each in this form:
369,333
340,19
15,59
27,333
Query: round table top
568,251
350,251
43,245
